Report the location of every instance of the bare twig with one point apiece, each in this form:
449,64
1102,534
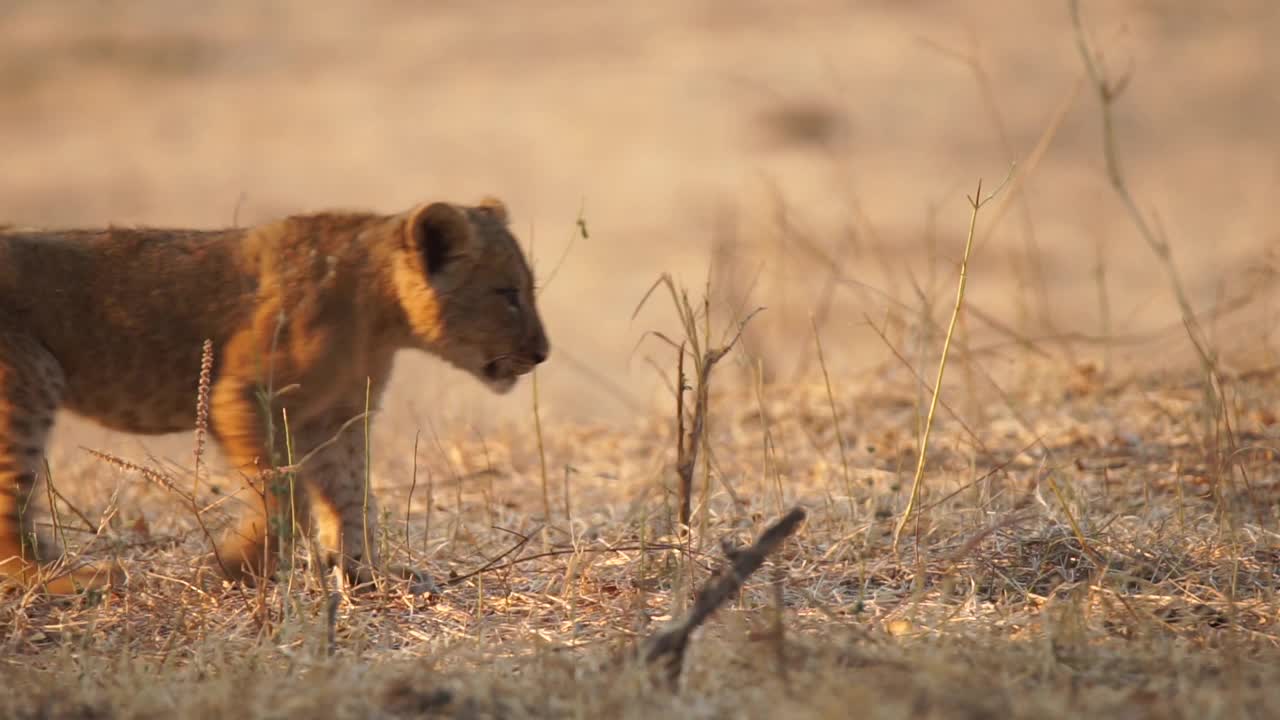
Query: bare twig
703,361
1108,91
495,564
700,401
524,540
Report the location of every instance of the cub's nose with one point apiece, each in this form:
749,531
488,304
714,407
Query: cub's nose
540,353
540,350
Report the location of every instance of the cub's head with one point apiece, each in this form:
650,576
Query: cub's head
467,292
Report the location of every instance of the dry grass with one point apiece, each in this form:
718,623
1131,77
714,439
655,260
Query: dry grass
997,608
1093,520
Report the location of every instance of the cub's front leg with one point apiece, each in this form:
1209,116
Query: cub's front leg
333,460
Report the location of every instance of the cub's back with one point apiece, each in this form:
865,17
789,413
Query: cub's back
124,312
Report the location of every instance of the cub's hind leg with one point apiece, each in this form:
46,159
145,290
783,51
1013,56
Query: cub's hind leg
269,508
31,388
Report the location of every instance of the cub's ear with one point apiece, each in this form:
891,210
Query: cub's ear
442,234
494,206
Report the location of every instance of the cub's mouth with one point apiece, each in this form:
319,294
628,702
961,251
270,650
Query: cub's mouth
501,373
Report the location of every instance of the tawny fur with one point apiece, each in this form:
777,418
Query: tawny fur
108,324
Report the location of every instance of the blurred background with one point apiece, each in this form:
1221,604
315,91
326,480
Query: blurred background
812,157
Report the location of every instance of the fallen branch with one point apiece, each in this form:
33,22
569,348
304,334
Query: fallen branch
669,644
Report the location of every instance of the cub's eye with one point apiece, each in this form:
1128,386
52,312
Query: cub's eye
511,295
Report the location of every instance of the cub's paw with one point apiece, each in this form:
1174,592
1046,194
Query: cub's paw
81,578
420,582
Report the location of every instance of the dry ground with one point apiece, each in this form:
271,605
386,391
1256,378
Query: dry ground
1098,533
1085,547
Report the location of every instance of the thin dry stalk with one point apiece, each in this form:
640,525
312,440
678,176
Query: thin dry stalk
835,416
568,509
271,486
681,451
975,202
413,485
542,451
770,466
58,531
490,494
293,511
368,481
1085,545
778,626
580,230
431,494
1104,300
704,390
454,475
331,623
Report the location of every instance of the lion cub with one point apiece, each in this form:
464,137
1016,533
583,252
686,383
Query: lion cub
109,325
